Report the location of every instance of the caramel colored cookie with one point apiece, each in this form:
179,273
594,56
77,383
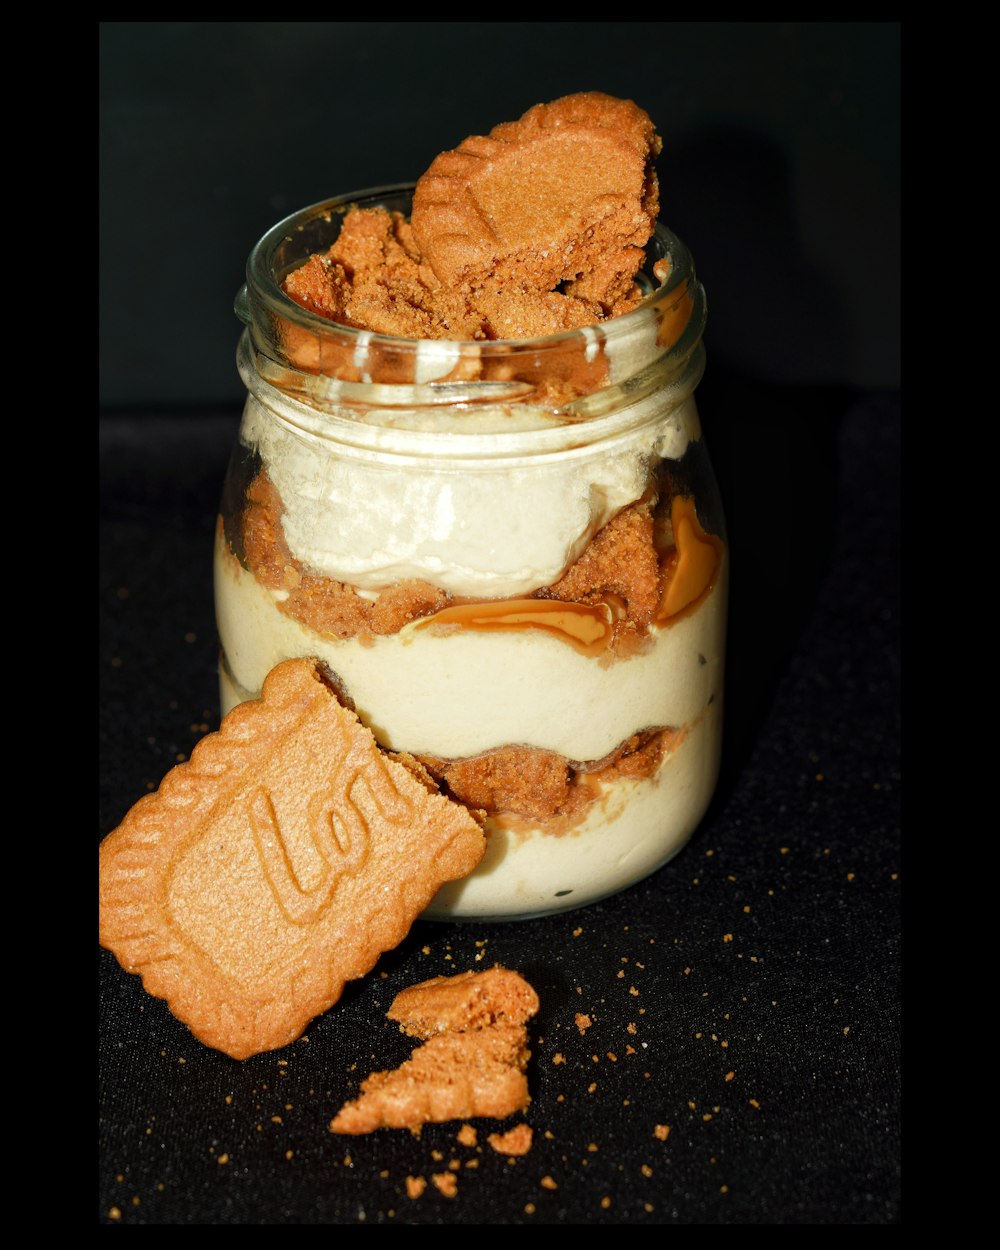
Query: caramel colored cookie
453,1076
472,1065
278,863
566,195
471,1000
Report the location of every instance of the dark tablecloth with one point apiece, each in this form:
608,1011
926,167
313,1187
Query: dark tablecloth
746,995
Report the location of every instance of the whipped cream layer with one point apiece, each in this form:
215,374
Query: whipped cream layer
504,525
635,828
458,693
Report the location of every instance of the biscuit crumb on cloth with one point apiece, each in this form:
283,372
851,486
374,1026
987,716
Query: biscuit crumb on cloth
291,848
470,1000
472,1063
517,1141
445,1183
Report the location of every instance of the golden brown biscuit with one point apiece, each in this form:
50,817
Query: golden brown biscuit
278,863
472,1065
453,1076
471,1000
567,194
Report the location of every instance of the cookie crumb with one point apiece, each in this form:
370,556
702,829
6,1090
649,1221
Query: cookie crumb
661,1131
466,1135
583,1022
515,1142
548,1183
445,1183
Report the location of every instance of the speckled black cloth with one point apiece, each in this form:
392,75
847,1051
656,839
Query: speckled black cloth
746,995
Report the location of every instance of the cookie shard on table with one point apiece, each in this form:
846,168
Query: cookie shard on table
452,1076
470,1000
275,865
472,1064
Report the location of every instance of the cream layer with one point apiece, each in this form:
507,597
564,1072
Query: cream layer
456,694
635,828
507,526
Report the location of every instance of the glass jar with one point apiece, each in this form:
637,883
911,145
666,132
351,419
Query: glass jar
510,554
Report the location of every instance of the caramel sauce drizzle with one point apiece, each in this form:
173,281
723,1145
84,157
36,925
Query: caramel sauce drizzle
690,568
587,627
695,563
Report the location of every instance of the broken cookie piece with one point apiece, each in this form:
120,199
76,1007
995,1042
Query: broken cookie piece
565,195
276,864
453,1076
473,1063
536,228
459,1004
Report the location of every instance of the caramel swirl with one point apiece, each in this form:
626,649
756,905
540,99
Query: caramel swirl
587,627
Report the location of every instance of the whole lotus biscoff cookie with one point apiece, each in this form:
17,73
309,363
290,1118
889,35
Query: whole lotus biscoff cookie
472,1065
278,863
566,195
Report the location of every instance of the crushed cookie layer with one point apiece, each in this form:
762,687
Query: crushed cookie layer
544,787
624,565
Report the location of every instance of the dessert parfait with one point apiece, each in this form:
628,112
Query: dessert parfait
470,478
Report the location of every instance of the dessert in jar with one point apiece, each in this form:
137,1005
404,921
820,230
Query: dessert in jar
479,493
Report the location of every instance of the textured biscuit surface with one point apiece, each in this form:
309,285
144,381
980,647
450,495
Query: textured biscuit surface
473,1063
276,864
471,1000
567,193
537,228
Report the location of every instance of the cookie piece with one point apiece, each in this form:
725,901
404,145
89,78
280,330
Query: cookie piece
471,1000
276,864
453,1076
566,195
472,1065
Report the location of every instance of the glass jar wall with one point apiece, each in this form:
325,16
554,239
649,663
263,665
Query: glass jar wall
510,555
